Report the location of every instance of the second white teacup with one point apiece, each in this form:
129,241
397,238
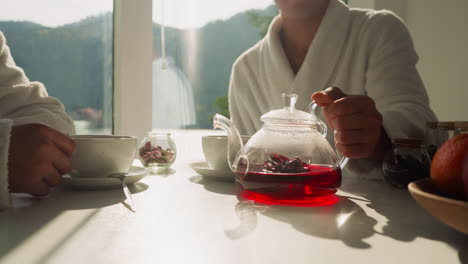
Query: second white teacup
102,155
215,150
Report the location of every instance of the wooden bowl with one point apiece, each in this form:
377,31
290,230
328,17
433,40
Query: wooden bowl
448,210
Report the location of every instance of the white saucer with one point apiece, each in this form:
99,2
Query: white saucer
133,175
206,171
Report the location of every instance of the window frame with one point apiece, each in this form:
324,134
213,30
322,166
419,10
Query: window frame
133,41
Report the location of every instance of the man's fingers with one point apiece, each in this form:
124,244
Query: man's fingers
63,142
357,121
321,99
38,156
39,188
327,96
61,162
53,178
350,105
334,93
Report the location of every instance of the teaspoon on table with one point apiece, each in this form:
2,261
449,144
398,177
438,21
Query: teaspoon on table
128,195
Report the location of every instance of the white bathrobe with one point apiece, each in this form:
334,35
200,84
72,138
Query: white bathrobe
23,102
360,51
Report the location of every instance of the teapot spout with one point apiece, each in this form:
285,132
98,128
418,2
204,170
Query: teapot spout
235,144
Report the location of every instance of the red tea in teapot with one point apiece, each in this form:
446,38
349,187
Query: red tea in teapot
309,176
291,181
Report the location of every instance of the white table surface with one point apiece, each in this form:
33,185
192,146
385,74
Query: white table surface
182,218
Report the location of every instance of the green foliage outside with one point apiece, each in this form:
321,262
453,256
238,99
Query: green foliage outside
73,61
260,21
223,105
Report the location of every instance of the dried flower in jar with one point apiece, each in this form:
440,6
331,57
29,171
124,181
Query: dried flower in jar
155,154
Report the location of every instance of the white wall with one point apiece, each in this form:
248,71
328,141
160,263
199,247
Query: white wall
440,32
362,3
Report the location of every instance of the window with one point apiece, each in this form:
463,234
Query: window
67,45
193,57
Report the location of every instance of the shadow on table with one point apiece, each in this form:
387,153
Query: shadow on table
217,186
28,215
344,220
406,219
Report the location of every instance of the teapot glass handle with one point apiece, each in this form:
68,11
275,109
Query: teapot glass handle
241,172
343,161
322,127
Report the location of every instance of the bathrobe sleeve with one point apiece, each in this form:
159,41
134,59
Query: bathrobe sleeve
393,81
23,102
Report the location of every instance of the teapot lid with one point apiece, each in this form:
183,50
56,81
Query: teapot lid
289,114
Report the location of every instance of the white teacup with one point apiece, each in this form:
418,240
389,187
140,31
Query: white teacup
215,150
102,155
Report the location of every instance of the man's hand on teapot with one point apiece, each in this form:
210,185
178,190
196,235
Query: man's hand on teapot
355,120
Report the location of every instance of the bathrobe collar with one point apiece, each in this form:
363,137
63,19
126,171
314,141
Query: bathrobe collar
316,72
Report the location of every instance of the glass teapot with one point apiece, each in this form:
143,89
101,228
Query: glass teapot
287,160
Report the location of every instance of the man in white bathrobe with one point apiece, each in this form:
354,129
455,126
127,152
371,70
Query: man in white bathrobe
34,152
315,44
